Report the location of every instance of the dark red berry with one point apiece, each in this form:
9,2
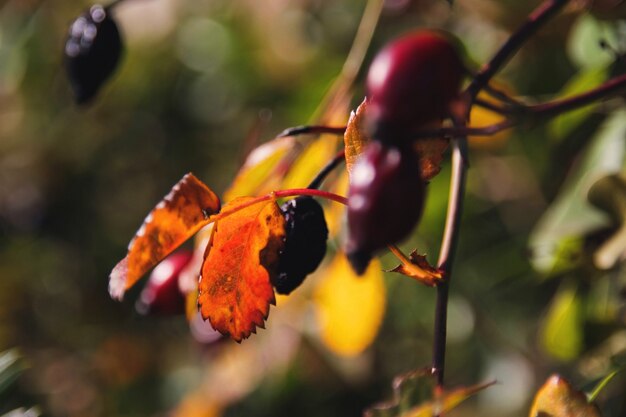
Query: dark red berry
92,51
385,200
162,294
305,243
412,82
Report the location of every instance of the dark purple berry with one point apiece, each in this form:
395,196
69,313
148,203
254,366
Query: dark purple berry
411,83
162,294
305,243
385,200
92,51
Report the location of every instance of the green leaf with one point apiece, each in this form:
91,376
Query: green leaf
601,385
562,333
571,216
586,79
583,44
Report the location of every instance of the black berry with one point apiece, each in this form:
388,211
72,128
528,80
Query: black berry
305,243
92,51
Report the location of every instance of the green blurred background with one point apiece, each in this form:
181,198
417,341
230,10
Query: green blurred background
197,78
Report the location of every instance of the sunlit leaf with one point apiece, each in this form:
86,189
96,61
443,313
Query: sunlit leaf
563,125
335,213
570,215
235,291
356,139
415,395
349,308
417,267
561,334
311,161
263,169
557,398
184,211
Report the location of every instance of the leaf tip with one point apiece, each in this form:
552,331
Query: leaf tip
118,281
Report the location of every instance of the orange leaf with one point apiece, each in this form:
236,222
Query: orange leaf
416,266
356,139
235,291
557,398
184,211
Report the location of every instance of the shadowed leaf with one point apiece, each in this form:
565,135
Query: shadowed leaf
184,211
235,291
415,395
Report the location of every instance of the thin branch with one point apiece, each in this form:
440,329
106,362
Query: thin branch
533,22
502,96
493,107
553,108
446,254
321,176
312,130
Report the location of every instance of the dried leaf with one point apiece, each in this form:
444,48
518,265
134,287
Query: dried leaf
416,266
350,308
446,401
356,139
184,211
263,169
415,395
557,398
431,155
235,291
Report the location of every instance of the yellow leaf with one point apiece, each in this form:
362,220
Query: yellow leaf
350,308
311,161
335,212
481,117
557,398
417,267
561,335
263,169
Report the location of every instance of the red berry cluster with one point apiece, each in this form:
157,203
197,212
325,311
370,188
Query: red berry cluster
411,84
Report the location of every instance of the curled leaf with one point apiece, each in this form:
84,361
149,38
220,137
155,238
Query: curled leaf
235,291
416,266
356,138
181,213
557,398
